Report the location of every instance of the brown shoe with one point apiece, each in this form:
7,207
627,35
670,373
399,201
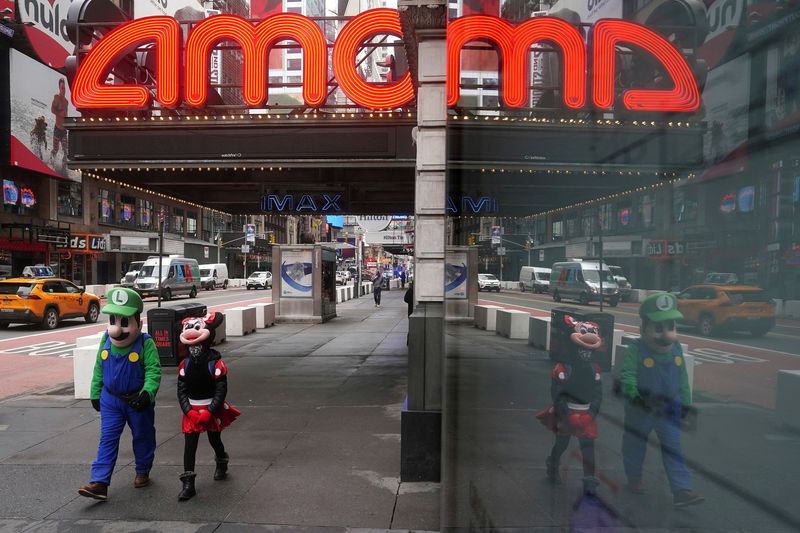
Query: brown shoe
97,491
141,480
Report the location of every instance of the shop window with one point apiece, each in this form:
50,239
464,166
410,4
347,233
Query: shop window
604,216
164,215
127,211
191,224
624,216
70,199
105,210
177,221
684,204
208,225
145,214
645,207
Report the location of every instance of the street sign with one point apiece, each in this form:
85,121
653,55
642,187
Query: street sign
245,248
501,250
250,233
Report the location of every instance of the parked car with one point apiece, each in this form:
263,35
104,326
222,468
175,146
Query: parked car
260,280
488,282
713,308
721,278
179,275
133,272
45,301
214,275
625,288
341,277
580,280
534,279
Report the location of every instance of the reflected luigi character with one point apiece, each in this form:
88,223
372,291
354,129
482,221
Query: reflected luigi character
127,374
655,385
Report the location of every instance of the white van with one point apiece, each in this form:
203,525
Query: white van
534,279
214,275
130,276
179,275
580,280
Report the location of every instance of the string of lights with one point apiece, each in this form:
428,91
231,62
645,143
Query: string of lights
253,117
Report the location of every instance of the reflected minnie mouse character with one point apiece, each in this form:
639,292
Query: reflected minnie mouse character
576,391
202,389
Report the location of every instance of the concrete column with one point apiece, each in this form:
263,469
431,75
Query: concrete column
422,417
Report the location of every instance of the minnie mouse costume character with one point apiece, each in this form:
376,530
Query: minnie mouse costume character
202,388
576,392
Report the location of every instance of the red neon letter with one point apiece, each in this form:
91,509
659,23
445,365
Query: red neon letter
256,42
684,97
89,90
358,30
514,45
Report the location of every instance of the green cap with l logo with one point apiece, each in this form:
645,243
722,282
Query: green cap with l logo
123,302
659,307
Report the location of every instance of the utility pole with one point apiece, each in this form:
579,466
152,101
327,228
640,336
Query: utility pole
600,271
160,251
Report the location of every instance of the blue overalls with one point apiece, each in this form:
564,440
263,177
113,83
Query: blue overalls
123,374
662,380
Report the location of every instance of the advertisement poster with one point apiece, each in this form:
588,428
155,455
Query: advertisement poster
45,23
455,276
40,101
297,274
725,98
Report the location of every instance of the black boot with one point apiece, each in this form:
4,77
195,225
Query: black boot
553,477
188,486
221,471
590,484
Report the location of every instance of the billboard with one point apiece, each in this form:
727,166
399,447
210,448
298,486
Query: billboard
726,98
297,274
40,101
455,272
45,23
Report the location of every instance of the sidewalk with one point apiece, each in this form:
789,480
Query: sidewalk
743,460
317,447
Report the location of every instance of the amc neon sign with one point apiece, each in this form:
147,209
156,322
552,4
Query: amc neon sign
512,42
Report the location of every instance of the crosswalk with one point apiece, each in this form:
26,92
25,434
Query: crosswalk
51,348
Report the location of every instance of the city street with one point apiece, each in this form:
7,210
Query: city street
732,366
37,359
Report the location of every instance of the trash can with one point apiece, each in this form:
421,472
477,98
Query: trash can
164,325
573,329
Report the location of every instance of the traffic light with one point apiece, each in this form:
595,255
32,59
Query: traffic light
391,64
471,240
272,238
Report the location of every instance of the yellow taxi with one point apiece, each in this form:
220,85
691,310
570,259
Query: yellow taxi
45,301
712,308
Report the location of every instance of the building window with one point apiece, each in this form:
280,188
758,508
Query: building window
106,204
293,64
573,226
165,215
145,212
604,217
558,230
191,224
70,199
127,211
177,221
684,204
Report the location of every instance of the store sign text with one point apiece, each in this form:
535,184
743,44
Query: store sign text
665,248
304,203
85,243
512,42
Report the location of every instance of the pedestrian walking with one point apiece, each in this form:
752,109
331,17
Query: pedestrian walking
576,392
655,385
403,278
377,287
127,374
202,390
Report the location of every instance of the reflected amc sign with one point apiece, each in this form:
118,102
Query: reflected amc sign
187,79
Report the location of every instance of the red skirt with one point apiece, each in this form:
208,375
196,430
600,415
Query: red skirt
578,423
223,418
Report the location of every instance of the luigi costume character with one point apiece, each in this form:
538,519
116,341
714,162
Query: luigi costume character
655,385
127,374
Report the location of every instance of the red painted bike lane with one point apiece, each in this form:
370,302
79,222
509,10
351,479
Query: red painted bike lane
725,370
24,374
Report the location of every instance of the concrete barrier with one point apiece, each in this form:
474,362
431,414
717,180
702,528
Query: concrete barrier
89,340
261,314
512,323
83,360
637,295
339,295
97,290
109,287
221,334
791,308
539,332
240,321
787,392
348,289
486,317
269,319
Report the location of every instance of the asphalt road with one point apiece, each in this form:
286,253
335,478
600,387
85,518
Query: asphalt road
733,366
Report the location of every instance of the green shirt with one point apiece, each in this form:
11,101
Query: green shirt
149,359
630,368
